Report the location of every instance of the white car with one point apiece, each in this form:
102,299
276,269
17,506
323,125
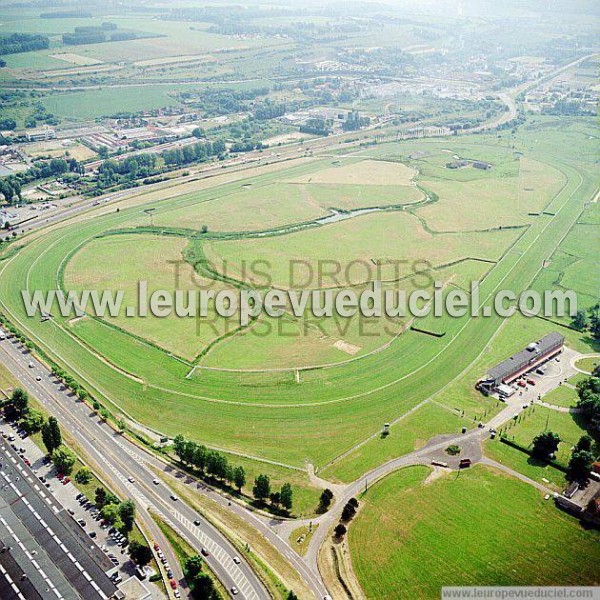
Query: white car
174,497
155,481
234,591
236,560
131,480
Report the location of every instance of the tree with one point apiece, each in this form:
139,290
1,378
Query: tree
33,421
286,496
63,460
127,514
104,414
348,512
203,588
110,512
595,321
275,498
340,531
262,488
55,429
193,566
121,425
20,401
100,497
584,443
580,466
83,476
179,446
325,500
291,596
545,444
51,435
139,553
580,320
588,391
239,478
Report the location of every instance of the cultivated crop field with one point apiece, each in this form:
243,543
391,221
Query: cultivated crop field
155,370
463,528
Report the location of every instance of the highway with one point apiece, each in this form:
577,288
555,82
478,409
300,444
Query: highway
122,460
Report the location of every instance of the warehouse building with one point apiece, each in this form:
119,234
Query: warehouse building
522,362
43,552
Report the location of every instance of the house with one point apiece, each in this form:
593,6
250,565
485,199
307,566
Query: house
457,164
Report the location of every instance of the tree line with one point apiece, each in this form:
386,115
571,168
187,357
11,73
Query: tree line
587,449
23,42
215,465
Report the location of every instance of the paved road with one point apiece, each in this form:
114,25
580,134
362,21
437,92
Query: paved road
470,444
120,460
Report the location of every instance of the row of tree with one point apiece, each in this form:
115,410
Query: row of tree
348,513
10,186
33,421
588,391
213,464
22,42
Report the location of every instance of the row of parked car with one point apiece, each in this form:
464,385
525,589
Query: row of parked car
167,567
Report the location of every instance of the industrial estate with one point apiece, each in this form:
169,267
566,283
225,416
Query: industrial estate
155,149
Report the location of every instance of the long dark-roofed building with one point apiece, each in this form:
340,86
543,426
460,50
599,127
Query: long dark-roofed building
42,552
523,362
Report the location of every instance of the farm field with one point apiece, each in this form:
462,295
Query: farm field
132,370
465,530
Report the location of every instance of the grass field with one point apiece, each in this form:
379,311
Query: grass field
491,201
562,396
538,419
271,415
481,528
588,364
158,262
355,241
252,208
366,172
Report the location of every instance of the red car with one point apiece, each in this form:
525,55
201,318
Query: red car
156,546
66,480
173,584
27,462
521,384
531,382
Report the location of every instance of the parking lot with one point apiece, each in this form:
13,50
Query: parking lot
534,386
